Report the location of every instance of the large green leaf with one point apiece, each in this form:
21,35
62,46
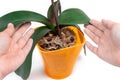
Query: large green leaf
25,68
73,16
50,13
18,17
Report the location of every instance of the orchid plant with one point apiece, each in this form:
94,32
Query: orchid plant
55,18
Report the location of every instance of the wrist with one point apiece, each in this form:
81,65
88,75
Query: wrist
1,70
1,76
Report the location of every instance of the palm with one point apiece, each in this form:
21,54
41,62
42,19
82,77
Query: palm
4,42
103,34
14,47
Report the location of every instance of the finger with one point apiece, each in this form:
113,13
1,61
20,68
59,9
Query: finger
23,40
108,23
28,46
94,30
91,47
10,29
92,35
97,24
19,33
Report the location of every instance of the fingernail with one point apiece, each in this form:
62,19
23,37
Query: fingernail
32,30
9,24
30,42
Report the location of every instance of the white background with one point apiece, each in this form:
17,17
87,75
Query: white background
88,67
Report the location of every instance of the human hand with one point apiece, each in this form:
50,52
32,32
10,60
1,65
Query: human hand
106,34
15,45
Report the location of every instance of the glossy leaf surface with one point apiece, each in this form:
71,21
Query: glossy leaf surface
73,16
20,17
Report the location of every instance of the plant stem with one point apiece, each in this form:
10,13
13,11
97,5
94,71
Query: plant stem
56,16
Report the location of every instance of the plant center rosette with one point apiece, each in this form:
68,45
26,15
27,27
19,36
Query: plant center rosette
59,60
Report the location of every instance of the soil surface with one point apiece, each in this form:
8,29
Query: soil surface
53,42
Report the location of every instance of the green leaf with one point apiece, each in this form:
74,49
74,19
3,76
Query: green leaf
73,16
25,68
50,13
20,17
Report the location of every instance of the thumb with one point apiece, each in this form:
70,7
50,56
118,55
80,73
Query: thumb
108,23
116,34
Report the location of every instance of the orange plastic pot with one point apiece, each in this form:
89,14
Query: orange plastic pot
59,64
